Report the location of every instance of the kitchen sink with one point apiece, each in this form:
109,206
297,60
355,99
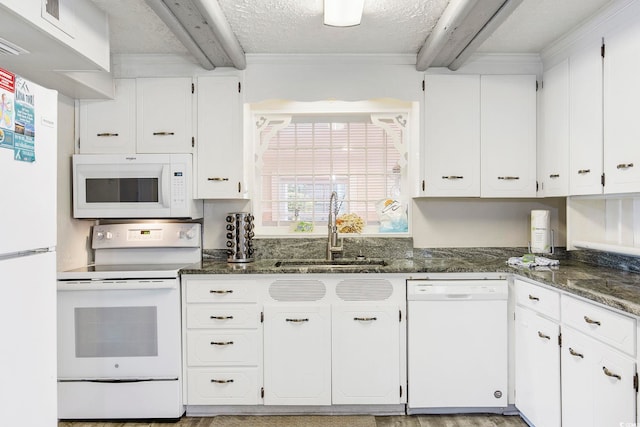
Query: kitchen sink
336,263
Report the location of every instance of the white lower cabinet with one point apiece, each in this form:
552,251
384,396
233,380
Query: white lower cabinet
365,342
293,340
585,379
537,368
222,341
297,355
597,383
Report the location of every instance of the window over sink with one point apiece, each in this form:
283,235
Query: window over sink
306,151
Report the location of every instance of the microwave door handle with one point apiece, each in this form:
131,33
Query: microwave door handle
165,184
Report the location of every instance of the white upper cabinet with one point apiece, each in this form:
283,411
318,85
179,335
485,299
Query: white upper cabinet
452,135
585,121
219,161
110,126
621,106
508,135
164,114
146,116
553,179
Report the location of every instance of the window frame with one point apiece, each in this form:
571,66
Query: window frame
330,108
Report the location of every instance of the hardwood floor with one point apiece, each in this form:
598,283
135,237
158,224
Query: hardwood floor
320,421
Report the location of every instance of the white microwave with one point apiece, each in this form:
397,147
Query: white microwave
134,186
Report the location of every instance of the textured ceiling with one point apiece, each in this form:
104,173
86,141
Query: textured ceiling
388,26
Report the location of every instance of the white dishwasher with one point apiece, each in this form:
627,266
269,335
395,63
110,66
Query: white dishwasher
457,345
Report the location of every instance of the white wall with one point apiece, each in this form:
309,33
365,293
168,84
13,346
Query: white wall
439,223
73,234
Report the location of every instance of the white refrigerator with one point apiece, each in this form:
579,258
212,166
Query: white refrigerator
28,393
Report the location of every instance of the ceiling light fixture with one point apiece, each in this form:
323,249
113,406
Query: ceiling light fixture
343,13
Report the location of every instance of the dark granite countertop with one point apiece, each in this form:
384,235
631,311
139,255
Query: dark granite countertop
609,286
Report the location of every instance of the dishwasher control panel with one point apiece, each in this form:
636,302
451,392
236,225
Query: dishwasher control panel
456,289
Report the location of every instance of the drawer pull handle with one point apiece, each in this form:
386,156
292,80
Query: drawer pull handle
217,179
610,374
453,177
583,171
624,165
532,298
222,381
106,134
554,175
221,291
541,335
508,178
591,321
365,319
297,320
575,353
221,342
222,317
163,133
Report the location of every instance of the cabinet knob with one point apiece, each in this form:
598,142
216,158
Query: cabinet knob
575,353
217,179
554,175
221,342
591,321
610,374
365,319
297,320
106,134
624,165
532,298
509,178
222,381
221,291
453,177
221,317
163,133
583,171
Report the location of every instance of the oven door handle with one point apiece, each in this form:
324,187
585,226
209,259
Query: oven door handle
119,381
111,285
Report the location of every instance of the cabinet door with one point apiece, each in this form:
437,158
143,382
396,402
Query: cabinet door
219,154
621,106
366,355
297,355
164,107
109,126
554,179
508,135
585,122
597,383
452,150
537,370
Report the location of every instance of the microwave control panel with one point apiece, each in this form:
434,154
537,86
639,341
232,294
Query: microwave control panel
178,186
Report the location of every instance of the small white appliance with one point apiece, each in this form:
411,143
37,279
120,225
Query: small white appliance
119,342
27,252
134,186
457,345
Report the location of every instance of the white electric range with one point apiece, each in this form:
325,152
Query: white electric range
119,344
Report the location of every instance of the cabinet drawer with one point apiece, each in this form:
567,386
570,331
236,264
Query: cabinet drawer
222,316
221,291
206,348
612,328
542,300
223,386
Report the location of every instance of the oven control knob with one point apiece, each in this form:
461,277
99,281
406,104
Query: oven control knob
189,234
99,235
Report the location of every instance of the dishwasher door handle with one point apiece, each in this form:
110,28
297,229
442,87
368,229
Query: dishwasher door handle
458,296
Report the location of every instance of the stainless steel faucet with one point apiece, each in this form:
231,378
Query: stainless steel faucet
332,239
